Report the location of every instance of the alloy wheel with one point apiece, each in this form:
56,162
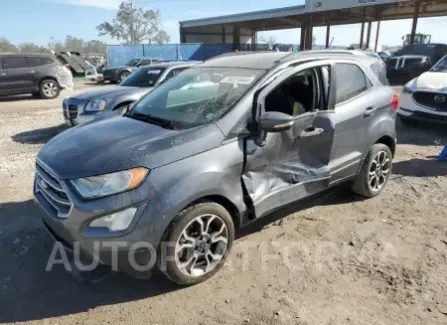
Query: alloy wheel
201,245
379,171
50,89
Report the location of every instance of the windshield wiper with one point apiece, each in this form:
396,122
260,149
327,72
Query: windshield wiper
164,123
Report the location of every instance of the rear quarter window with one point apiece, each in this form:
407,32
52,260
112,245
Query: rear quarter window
351,81
380,72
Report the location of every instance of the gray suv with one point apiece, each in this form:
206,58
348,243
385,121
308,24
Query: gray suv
41,75
212,150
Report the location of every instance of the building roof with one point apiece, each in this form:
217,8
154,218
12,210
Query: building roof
255,15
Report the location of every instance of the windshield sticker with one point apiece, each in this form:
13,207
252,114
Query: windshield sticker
237,80
153,71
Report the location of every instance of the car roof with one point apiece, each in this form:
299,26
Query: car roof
411,56
170,64
249,60
27,54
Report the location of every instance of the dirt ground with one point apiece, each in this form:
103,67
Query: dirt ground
335,259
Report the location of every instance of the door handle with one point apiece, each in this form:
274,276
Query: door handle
369,111
311,132
3,74
32,71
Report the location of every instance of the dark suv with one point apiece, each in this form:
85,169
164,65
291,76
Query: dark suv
41,75
211,150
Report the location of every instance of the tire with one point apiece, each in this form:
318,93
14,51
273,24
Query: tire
408,122
123,75
364,183
170,263
49,89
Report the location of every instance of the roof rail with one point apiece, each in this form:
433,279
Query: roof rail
239,53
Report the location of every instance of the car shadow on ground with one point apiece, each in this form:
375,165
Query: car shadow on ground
429,167
39,136
17,98
423,134
29,292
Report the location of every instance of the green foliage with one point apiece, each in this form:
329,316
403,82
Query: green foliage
134,26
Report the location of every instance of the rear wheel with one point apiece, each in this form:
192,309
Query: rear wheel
49,89
375,171
196,244
124,75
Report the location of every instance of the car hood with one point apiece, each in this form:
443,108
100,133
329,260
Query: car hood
111,91
120,143
430,81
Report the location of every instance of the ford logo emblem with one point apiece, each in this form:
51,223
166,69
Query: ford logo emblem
317,4
439,99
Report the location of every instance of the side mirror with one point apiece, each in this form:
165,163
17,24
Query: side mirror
276,122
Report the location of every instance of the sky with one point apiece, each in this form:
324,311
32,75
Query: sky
40,20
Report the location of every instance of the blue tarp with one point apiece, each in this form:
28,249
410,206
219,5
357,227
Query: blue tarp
120,54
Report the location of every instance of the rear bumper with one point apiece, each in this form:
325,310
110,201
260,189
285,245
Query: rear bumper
404,113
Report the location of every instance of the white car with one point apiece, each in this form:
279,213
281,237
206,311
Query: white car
425,97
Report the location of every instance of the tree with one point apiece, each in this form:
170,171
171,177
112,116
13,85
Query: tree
135,25
7,47
270,41
29,47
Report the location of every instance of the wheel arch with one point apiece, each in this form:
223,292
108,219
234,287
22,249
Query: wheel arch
389,142
50,78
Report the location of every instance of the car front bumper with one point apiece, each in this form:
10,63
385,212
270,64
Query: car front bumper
74,112
132,250
411,110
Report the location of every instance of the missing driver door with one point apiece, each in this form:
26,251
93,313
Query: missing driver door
292,164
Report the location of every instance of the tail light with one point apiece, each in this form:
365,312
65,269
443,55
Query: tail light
395,102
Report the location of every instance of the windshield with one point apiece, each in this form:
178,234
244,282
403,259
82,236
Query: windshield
143,77
132,63
197,96
441,66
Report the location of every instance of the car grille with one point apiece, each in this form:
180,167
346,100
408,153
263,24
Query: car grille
51,190
72,107
431,100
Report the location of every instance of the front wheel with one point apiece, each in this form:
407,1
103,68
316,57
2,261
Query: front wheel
49,89
196,244
375,171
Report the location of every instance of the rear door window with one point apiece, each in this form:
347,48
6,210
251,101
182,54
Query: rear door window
414,62
350,81
38,61
144,62
16,62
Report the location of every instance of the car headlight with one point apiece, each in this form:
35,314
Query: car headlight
109,184
95,105
115,222
407,90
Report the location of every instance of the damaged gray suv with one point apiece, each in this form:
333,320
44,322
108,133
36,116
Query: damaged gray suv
212,150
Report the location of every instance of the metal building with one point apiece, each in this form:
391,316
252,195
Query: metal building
241,28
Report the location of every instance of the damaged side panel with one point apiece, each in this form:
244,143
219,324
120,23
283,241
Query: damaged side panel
291,165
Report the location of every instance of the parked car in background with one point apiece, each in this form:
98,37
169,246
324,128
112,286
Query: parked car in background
432,50
40,75
425,97
86,106
401,69
118,74
187,165
385,56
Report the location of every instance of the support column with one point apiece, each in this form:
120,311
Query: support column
328,35
182,35
377,36
310,33
303,36
236,38
223,35
415,21
368,34
362,31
